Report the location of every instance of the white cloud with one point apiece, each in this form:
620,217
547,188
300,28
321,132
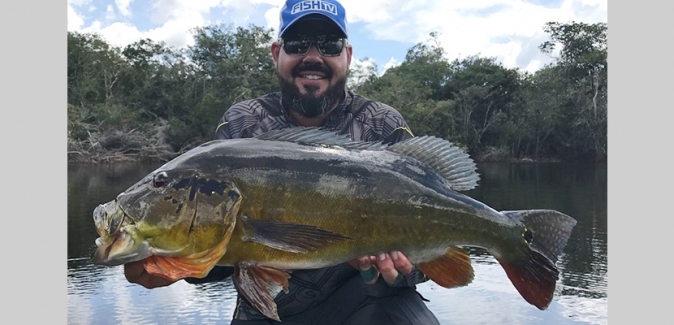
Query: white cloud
471,27
510,30
273,19
78,2
117,33
123,7
75,20
109,13
392,63
177,19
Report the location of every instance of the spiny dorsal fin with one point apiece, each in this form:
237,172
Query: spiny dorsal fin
450,161
318,136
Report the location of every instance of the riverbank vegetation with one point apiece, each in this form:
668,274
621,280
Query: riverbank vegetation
149,101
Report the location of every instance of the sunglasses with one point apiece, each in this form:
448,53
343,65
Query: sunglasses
300,45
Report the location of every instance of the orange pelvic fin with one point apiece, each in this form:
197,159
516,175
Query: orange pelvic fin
260,284
453,269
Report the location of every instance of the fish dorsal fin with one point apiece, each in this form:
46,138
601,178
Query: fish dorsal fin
447,159
319,136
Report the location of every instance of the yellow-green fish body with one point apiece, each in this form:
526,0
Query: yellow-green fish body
306,198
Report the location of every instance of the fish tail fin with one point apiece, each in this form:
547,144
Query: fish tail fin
531,267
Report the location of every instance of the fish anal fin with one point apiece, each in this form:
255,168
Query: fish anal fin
260,284
289,237
453,269
535,277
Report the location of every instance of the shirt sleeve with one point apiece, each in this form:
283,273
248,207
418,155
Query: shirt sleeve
388,123
239,121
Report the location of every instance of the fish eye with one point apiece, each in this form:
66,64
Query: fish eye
160,180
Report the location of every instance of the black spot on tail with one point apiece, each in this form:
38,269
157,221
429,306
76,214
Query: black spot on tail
528,236
550,230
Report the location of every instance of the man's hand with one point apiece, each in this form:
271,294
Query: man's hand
135,273
391,266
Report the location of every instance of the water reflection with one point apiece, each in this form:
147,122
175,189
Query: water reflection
98,295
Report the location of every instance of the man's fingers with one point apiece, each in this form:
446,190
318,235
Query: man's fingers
135,273
401,263
387,268
368,272
391,266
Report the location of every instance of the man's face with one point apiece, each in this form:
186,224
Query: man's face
311,83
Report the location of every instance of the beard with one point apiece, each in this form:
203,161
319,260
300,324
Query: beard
311,104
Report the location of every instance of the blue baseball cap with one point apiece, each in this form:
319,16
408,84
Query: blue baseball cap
294,10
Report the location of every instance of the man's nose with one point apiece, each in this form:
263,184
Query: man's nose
313,56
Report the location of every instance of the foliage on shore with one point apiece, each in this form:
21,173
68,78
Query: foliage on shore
149,101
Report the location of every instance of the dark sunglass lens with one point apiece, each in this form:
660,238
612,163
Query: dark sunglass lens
296,46
331,46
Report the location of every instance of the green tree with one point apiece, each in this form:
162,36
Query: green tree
582,59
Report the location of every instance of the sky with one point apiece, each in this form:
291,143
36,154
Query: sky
380,31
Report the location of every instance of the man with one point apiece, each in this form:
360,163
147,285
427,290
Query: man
312,57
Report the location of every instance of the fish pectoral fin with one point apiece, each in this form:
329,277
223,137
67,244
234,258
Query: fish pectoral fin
196,265
453,269
259,284
174,268
289,237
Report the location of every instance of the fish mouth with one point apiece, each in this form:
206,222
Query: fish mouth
121,250
117,243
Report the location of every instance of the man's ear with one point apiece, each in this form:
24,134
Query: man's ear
349,53
275,51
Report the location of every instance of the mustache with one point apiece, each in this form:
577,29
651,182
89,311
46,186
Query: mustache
312,68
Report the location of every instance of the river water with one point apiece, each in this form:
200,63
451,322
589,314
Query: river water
100,296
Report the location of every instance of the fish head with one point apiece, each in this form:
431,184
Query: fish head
174,213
